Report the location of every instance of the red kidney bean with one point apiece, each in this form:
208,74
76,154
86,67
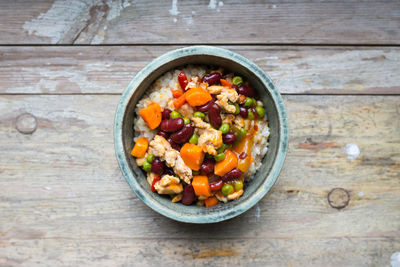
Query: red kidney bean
165,114
174,145
168,171
183,135
183,81
246,90
243,155
206,106
254,112
172,125
212,78
243,112
188,195
215,186
163,134
207,167
157,166
215,116
233,174
229,138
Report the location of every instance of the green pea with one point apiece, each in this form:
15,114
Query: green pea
248,102
221,149
224,128
150,158
238,184
186,120
195,172
147,166
242,132
239,134
199,114
237,110
227,189
254,102
260,111
237,80
194,139
219,157
175,115
250,114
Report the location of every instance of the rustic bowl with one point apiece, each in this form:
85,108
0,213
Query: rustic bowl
272,162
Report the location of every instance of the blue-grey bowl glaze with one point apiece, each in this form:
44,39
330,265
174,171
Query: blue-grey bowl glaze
272,162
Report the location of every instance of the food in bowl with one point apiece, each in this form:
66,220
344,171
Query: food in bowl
200,134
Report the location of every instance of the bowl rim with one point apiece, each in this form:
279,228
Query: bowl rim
270,179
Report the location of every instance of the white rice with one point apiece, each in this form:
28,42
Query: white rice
160,92
260,146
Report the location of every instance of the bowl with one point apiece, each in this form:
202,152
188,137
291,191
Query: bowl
272,163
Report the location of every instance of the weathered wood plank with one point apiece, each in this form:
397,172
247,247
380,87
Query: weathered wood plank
162,22
64,200
310,70
127,251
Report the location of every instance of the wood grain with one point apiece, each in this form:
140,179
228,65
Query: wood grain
295,70
239,22
65,202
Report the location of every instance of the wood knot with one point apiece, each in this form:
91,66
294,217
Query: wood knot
338,198
26,123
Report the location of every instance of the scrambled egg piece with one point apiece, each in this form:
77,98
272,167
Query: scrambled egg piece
224,94
233,196
210,139
168,185
161,148
228,118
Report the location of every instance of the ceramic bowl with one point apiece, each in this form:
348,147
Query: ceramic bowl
271,164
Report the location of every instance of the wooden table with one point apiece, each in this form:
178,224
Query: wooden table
64,65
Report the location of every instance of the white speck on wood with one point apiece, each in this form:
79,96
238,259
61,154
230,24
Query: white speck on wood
274,6
220,3
193,12
174,9
212,4
352,151
361,194
175,20
395,259
116,8
47,187
66,12
257,212
188,20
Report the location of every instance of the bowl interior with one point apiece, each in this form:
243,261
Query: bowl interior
180,211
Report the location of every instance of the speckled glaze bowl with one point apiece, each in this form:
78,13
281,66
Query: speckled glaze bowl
272,162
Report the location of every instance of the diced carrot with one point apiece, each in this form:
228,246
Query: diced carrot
225,83
176,93
197,97
155,180
211,201
140,148
178,102
201,186
151,115
192,155
246,146
227,164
